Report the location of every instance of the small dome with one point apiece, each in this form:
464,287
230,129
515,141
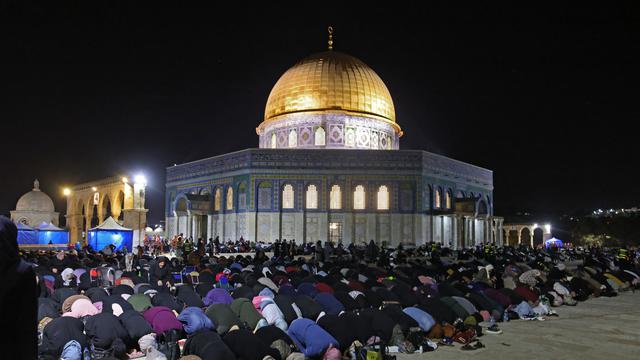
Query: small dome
35,200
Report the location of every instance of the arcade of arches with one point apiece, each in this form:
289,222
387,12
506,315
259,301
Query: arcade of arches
526,233
89,204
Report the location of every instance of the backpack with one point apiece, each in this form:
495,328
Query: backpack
168,344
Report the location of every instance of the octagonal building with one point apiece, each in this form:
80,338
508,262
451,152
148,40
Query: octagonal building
329,167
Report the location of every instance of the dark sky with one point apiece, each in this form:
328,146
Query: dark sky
545,97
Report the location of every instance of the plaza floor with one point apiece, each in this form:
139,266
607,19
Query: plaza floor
602,328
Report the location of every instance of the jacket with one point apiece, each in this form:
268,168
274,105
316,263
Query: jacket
310,338
223,317
424,320
243,308
58,333
208,345
270,311
102,329
194,320
162,319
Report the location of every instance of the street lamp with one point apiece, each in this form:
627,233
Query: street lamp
140,179
125,180
66,191
94,188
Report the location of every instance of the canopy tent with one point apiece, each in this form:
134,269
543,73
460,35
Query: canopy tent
44,236
110,233
49,234
553,242
26,234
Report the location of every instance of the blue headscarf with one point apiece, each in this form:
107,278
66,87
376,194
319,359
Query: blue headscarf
193,319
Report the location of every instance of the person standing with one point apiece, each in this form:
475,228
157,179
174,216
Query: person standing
18,297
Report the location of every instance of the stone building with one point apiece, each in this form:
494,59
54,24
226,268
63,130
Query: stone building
91,203
329,167
34,208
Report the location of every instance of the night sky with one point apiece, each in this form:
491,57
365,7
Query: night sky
545,97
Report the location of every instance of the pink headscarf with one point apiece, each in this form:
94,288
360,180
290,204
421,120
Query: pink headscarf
98,305
256,302
81,308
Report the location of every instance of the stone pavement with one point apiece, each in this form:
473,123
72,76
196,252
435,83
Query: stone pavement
602,328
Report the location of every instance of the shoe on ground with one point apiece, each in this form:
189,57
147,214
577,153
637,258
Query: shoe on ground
493,329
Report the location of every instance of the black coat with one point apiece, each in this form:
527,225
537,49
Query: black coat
188,296
103,328
48,308
207,345
248,346
438,310
270,334
340,328
115,299
135,324
57,333
156,273
285,303
222,317
167,300
18,297
309,308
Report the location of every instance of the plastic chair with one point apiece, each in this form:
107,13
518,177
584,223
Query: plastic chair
106,277
194,276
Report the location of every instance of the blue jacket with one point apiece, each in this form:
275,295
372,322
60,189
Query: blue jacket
310,338
424,320
329,303
307,289
193,319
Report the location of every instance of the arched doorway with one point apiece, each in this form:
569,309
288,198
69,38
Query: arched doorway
83,233
537,237
513,237
525,236
120,201
95,221
106,208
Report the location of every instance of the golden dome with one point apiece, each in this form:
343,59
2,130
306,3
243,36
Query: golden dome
331,81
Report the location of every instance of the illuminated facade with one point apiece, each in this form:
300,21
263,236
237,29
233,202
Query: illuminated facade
90,204
329,167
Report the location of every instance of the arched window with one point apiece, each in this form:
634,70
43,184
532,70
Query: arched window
447,199
319,136
438,200
242,196
230,198
359,198
265,194
217,200
293,139
274,141
312,197
287,197
335,198
383,198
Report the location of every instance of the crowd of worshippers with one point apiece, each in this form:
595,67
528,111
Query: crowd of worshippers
367,305
182,246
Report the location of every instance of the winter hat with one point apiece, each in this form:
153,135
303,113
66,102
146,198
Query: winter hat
148,341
